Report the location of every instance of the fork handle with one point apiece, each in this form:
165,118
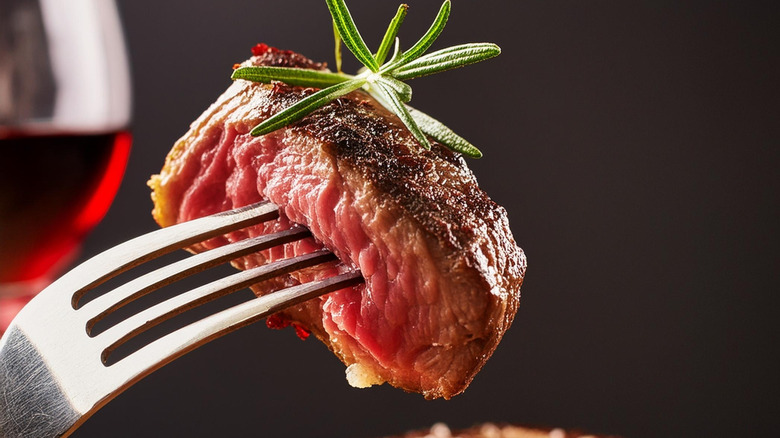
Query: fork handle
37,407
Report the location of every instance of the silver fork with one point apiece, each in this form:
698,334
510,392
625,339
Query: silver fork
54,373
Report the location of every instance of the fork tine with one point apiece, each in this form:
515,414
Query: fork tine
52,378
172,346
142,321
106,304
151,245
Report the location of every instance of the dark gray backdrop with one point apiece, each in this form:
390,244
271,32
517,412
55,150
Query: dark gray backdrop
634,145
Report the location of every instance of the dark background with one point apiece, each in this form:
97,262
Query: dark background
635,147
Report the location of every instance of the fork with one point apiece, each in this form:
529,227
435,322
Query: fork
55,372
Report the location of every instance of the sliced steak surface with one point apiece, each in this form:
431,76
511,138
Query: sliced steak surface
442,270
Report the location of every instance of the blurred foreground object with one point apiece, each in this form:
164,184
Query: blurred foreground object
492,430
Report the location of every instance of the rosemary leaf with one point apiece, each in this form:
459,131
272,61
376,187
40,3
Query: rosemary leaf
443,134
385,95
404,91
350,35
396,51
337,48
305,106
390,34
447,59
426,40
292,76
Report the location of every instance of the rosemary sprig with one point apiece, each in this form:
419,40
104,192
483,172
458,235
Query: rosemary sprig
383,80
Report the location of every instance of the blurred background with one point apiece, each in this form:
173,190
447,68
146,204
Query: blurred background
635,147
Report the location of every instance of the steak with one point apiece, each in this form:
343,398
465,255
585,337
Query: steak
442,270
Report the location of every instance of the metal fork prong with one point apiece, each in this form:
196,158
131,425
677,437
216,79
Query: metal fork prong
142,321
111,301
164,350
132,253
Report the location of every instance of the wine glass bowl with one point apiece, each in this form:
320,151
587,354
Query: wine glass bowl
64,139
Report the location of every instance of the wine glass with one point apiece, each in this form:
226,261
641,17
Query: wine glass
64,115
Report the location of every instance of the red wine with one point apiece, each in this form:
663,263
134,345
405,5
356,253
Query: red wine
54,188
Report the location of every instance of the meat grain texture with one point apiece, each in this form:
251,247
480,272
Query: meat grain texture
442,271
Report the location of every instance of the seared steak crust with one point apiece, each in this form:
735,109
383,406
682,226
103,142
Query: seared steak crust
442,270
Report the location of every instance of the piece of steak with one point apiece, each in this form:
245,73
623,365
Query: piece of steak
442,271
